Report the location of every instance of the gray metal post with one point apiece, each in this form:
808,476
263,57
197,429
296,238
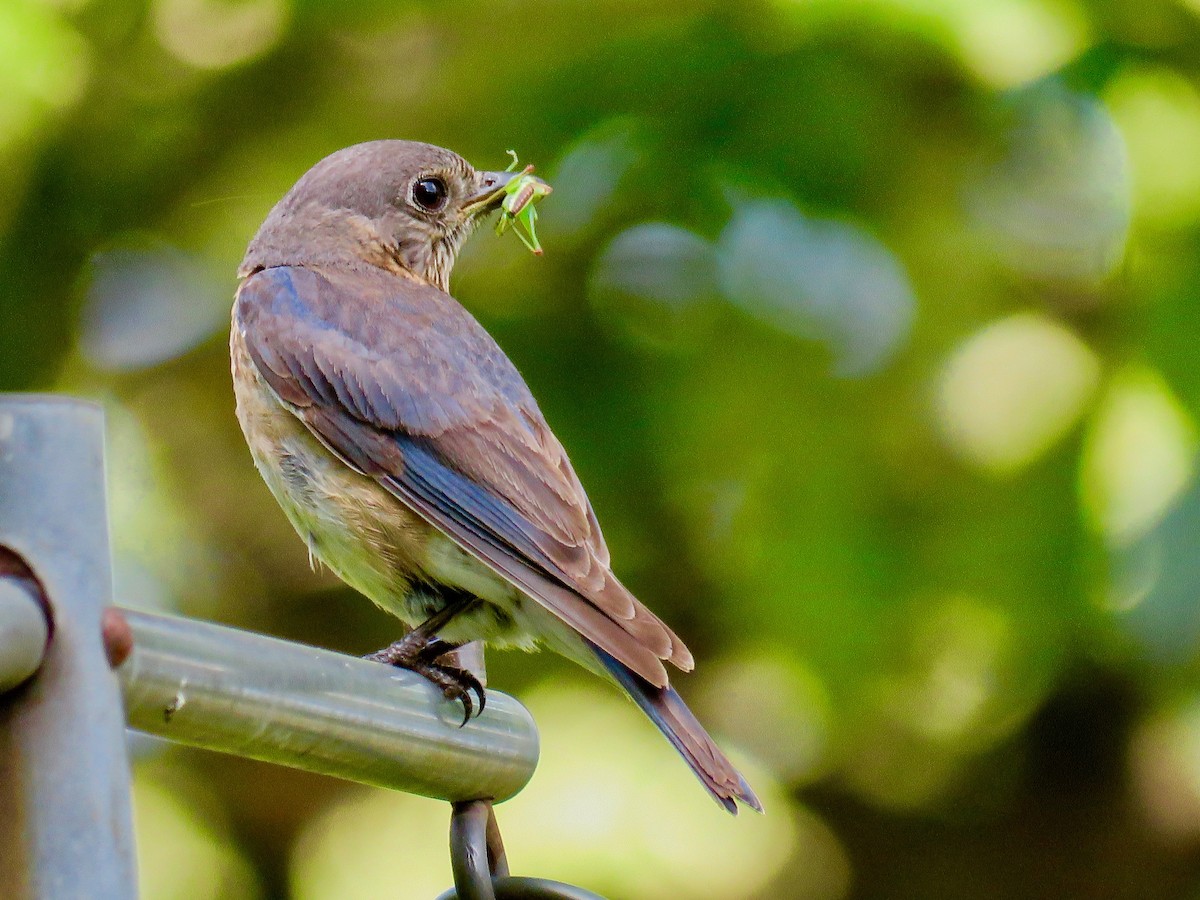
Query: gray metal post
65,822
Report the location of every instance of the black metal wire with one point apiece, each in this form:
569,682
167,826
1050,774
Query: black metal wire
519,888
497,857
468,850
480,865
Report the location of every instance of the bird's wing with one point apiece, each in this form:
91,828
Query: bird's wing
396,378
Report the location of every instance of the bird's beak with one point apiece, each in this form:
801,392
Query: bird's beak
490,194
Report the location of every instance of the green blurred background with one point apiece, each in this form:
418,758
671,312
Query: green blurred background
869,325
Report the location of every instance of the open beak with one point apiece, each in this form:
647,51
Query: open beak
491,193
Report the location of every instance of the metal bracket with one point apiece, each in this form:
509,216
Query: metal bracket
480,864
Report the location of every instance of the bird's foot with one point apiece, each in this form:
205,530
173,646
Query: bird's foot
456,684
419,654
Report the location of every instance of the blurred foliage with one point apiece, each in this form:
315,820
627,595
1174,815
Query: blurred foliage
869,324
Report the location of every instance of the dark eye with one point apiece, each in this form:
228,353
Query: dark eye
430,193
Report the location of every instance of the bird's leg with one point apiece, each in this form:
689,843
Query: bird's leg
419,650
415,644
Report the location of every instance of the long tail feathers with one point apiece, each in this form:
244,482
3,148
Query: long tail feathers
667,710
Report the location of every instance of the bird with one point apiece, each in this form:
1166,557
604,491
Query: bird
407,451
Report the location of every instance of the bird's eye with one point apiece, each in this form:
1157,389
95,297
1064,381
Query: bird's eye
430,193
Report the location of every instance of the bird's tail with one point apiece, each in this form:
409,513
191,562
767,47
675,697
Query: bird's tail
667,710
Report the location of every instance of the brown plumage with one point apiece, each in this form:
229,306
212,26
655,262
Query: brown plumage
406,448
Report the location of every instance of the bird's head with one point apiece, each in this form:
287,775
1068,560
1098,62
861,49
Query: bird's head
385,203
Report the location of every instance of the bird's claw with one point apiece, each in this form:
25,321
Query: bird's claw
455,683
464,682
420,649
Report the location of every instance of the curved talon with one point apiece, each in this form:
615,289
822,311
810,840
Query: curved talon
465,696
477,687
467,679
464,683
455,683
419,650
460,689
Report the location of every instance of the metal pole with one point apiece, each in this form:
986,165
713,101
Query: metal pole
223,689
65,827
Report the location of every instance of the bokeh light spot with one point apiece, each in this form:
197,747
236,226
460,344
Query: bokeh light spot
632,796
949,700
146,306
1005,43
1158,112
213,34
1139,456
1012,390
961,649
1165,769
656,283
372,844
819,279
1056,205
763,685
588,178
43,67
159,556
180,855
1013,42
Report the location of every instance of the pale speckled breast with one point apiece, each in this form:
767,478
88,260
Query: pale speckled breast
357,528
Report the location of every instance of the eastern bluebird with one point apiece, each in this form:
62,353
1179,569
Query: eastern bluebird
407,451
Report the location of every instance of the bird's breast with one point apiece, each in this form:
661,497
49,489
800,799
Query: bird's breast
351,523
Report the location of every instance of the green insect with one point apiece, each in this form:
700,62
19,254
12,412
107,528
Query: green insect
519,209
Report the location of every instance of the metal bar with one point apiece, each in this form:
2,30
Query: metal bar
23,633
66,829
223,689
